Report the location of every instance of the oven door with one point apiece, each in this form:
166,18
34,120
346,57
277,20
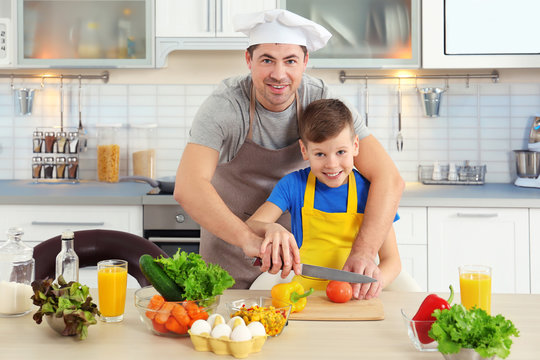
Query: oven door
170,240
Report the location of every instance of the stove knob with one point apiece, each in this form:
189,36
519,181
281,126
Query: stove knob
180,218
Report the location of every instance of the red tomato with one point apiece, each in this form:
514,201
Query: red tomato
339,291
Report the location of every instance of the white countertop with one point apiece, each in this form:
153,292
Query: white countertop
22,338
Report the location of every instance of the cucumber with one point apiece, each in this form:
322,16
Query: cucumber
159,279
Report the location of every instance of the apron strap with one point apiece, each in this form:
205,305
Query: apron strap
252,110
352,199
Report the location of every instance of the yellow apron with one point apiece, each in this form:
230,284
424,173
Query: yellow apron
328,237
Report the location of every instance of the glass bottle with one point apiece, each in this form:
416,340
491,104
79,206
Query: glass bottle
67,261
16,275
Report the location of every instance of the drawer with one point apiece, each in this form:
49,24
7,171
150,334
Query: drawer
43,222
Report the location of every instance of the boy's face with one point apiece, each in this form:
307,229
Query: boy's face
332,160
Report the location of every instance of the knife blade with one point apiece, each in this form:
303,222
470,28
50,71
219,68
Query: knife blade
325,273
334,274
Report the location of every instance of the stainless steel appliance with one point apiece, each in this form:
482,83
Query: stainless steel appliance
170,227
528,161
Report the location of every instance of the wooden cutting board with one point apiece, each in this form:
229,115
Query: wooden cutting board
320,308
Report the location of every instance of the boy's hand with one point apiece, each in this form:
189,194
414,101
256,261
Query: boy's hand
279,251
361,264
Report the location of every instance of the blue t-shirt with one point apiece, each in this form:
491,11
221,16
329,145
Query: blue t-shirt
288,195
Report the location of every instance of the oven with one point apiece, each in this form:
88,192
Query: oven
170,228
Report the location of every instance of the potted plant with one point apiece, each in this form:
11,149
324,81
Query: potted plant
472,334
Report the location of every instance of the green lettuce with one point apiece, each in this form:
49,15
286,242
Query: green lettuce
70,301
197,279
457,328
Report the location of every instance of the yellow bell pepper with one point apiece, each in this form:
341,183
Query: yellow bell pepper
292,293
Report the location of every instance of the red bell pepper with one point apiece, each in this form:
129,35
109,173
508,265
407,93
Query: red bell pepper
430,304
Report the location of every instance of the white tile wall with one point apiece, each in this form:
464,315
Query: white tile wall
482,123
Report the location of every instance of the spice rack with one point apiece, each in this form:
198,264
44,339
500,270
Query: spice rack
55,156
465,175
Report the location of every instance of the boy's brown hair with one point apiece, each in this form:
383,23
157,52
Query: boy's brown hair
323,119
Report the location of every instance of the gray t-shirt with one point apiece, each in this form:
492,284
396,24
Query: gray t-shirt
222,121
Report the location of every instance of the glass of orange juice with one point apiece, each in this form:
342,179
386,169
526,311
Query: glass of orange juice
112,284
475,286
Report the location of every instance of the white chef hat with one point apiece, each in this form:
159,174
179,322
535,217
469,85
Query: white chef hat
280,26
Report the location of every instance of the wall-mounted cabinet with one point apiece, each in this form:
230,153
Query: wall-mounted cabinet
83,33
469,34
201,25
365,33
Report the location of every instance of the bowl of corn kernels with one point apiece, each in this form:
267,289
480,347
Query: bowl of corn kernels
273,316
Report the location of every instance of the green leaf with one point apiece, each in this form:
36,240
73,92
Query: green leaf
70,301
457,328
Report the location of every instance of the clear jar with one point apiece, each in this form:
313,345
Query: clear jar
37,141
37,164
73,167
61,142
48,168
16,275
108,152
142,142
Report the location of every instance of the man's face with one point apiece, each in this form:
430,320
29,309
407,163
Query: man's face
276,70
332,160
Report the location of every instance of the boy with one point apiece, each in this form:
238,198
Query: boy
326,200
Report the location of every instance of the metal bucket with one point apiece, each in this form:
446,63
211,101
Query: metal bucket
24,101
527,163
431,99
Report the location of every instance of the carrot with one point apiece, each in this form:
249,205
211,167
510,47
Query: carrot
175,326
155,304
192,308
180,314
159,327
202,315
164,312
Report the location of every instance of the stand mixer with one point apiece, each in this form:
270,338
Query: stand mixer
528,161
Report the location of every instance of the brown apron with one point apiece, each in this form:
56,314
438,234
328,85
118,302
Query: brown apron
244,184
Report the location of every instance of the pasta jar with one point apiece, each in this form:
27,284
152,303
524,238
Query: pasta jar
108,152
142,147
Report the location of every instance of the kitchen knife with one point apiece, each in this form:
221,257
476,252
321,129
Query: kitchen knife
334,274
325,273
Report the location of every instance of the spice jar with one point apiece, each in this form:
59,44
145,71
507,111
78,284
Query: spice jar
143,153
16,275
37,141
61,142
73,167
108,152
48,168
60,167
50,140
73,142
37,163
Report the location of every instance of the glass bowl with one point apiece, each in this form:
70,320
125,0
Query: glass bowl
414,327
163,320
272,313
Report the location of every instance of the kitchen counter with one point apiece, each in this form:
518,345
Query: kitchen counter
25,192
22,338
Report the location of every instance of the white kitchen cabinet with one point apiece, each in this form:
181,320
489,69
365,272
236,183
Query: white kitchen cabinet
411,234
488,236
365,33
42,222
469,34
83,33
534,223
201,25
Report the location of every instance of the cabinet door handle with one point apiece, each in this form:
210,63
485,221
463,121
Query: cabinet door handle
68,223
472,215
174,239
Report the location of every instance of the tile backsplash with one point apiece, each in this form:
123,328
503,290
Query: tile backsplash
482,122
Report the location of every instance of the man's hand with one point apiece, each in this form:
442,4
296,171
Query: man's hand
279,251
362,264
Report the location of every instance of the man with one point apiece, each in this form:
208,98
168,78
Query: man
244,138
